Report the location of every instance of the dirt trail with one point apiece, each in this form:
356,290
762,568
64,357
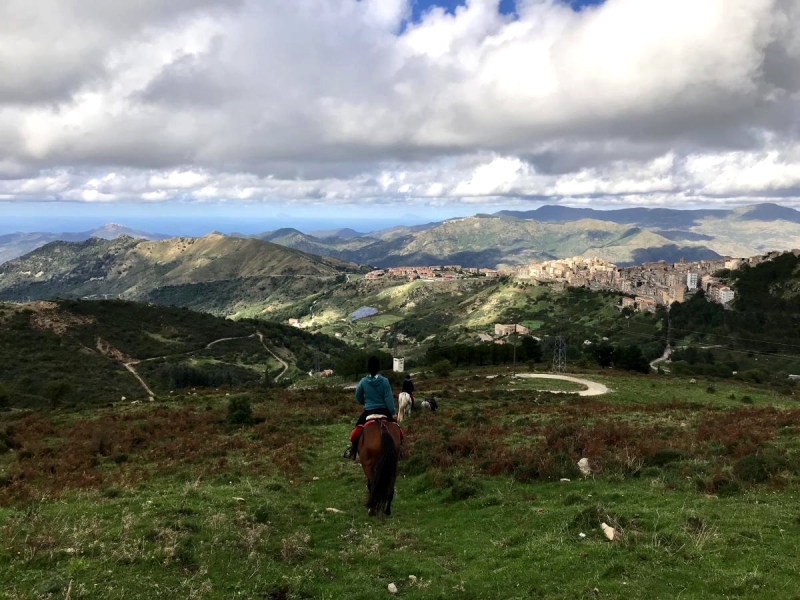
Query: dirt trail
592,388
662,358
111,352
275,356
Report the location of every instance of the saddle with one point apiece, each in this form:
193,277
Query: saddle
370,420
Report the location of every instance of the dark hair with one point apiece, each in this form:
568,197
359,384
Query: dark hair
408,375
373,365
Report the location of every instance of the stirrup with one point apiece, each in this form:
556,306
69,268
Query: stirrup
349,454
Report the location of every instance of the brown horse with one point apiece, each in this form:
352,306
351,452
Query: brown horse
378,450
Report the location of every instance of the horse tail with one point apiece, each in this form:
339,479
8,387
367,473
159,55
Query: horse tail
384,474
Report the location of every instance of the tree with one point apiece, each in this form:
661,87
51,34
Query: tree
630,358
531,350
604,354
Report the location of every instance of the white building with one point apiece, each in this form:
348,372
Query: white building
726,294
691,281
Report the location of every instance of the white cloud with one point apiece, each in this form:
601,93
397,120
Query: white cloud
332,101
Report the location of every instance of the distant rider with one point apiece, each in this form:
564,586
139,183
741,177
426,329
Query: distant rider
374,393
408,387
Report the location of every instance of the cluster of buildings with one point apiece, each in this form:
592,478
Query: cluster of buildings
435,272
647,286
650,284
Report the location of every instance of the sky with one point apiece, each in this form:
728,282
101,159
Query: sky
377,110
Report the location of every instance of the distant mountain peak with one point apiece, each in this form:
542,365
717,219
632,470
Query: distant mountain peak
768,211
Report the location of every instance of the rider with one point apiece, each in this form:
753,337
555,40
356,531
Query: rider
374,392
408,387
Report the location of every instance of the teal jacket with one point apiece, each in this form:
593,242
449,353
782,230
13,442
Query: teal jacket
375,393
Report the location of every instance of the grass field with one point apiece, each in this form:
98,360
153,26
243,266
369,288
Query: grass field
168,500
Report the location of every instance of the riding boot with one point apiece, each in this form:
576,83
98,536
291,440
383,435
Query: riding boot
351,452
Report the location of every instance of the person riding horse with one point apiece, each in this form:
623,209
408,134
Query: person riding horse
408,387
374,393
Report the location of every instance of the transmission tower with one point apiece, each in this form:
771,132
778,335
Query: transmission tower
560,355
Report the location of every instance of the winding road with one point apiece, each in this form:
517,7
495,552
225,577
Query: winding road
275,356
592,388
109,351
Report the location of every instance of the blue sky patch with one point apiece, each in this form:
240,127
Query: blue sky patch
507,7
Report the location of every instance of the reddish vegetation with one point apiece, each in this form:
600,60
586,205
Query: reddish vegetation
615,438
121,448
536,436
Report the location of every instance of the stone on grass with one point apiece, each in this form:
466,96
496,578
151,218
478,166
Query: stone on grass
392,588
608,531
585,469
564,480
412,579
333,510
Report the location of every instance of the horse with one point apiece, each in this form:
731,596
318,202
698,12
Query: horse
405,403
379,450
429,404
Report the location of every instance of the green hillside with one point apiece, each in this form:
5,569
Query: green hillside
213,273
74,352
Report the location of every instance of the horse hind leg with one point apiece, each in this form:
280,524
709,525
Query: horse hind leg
388,510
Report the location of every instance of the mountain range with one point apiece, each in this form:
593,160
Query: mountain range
17,244
245,276
625,237
212,273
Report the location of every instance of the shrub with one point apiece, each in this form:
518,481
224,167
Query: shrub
442,368
461,490
759,468
239,411
664,457
711,389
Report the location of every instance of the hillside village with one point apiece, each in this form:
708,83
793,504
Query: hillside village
650,284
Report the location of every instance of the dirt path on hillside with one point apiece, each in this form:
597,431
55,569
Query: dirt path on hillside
662,358
109,351
275,356
592,387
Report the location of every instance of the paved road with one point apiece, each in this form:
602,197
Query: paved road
592,388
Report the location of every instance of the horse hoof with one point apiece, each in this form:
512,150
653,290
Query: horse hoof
371,512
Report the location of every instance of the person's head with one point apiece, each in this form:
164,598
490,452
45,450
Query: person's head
408,376
373,365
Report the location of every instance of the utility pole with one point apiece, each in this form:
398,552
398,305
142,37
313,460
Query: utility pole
560,355
514,369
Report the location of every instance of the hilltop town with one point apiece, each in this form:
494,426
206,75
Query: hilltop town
646,286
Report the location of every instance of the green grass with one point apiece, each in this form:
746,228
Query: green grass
166,501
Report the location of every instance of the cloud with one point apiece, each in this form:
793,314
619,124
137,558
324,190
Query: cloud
332,101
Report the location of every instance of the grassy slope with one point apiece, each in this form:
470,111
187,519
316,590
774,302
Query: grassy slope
44,344
172,504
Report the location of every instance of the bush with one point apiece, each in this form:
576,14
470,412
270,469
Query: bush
442,368
664,457
239,411
461,490
759,468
